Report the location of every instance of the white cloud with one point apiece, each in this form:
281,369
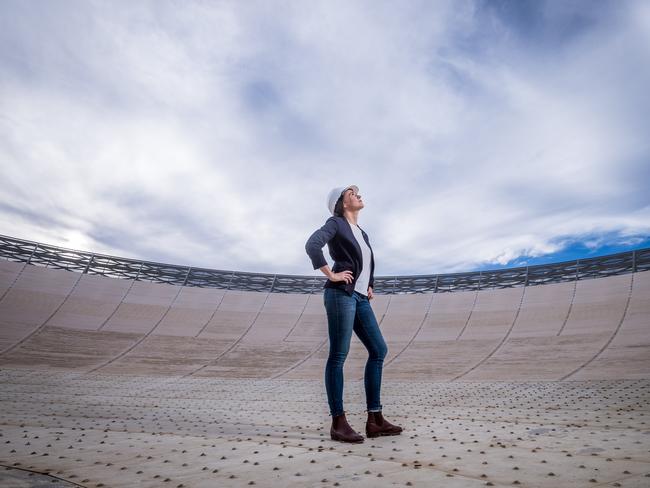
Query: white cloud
210,135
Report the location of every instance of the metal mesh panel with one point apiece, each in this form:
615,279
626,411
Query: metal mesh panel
552,273
641,259
209,278
252,282
38,254
613,264
114,267
59,259
458,282
290,283
502,278
162,273
16,249
384,284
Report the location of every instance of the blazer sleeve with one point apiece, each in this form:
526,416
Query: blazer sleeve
317,240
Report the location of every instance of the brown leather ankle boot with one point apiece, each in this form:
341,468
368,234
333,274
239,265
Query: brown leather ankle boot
377,426
341,430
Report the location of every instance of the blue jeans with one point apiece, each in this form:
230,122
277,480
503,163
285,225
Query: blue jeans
344,314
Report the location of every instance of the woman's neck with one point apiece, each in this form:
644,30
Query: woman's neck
351,217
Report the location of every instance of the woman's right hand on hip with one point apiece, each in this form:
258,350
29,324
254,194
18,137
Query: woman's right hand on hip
342,276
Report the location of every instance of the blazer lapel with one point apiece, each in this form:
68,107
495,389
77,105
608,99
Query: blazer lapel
354,240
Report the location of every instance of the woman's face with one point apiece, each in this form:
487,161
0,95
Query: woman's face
352,201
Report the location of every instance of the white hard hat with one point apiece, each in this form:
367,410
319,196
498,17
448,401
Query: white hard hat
335,194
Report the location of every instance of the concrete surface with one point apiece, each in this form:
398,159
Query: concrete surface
109,382
121,431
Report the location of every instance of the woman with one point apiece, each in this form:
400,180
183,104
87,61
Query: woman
348,291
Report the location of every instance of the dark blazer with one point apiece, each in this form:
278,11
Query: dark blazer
344,250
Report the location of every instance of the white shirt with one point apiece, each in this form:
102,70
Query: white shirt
361,285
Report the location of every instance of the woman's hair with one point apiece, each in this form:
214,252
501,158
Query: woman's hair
338,208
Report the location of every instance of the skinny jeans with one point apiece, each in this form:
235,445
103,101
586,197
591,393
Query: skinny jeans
346,313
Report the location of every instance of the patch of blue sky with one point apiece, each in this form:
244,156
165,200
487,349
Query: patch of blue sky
582,247
279,126
545,24
260,96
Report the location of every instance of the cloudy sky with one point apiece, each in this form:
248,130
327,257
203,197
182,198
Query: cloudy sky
482,134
